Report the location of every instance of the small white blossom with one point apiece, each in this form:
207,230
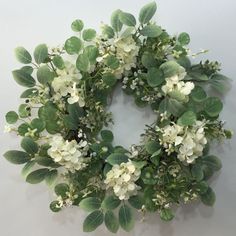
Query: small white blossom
68,153
65,85
122,179
188,142
174,84
8,128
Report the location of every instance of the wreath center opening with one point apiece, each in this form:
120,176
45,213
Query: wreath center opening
129,119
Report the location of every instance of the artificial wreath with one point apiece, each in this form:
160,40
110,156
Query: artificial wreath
65,110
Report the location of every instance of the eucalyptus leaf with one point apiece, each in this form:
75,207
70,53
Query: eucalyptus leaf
11,117
29,145
127,19
117,158
126,218
151,31
17,157
147,12
23,78
23,55
89,34
92,221
73,45
77,25
37,176
90,204
40,53
111,222
115,21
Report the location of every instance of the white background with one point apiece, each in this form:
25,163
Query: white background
211,24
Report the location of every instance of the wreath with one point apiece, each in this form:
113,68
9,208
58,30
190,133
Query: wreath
65,110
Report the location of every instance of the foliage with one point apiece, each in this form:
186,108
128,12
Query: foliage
63,121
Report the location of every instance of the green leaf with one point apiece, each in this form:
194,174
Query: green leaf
82,63
188,118
152,146
11,117
37,176
126,218
166,214
202,187
112,62
155,158
197,76
92,221
107,136
109,79
17,157
29,93
220,83
29,145
155,77
197,172
51,176
38,124
151,31
117,158
198,94
148,60
172,106
89,34
77,25
213,106
73,45
115,21
92,53
54,206
184,39
147,12
44,75
58,62
136,201
213,162
127,19
110,202
209,197
23,128
62,189
27,69
24,110
27,168
40,53
107,31
90,204
111,222
171,68
23,55
23,78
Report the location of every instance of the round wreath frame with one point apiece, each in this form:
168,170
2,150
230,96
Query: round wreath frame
66,144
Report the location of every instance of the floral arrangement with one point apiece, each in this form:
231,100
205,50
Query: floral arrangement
65,109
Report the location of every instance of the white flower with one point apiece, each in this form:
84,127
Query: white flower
188,142
122,179
174,84
65,85
75,96
8,128
68,153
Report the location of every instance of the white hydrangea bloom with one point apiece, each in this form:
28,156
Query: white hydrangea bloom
122,179
174,83
65,85
68,153
188,142
126,51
